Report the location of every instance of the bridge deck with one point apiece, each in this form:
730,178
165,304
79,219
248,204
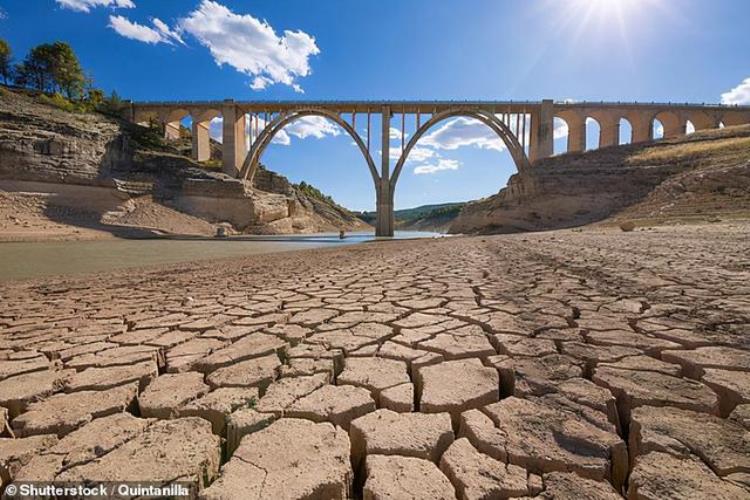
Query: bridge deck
423,106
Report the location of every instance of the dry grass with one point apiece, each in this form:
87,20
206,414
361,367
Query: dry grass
738,147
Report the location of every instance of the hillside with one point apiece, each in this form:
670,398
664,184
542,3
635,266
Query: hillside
433,218
702,176
86,175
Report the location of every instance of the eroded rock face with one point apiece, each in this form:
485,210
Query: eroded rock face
266,466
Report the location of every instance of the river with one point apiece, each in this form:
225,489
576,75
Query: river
39,259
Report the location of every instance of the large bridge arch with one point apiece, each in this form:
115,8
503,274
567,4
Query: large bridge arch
272,128
502,130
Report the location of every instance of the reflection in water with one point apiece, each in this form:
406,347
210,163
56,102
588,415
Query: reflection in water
39,259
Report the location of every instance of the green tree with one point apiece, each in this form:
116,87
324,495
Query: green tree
36,69
5,60
66,70
52,67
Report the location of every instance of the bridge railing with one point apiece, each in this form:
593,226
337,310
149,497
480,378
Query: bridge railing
424,102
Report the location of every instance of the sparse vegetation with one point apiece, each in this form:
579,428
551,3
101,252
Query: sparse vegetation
313,192
53,70
427,213
6,61
690,150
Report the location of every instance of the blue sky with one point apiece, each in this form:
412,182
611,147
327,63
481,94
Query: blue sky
647,50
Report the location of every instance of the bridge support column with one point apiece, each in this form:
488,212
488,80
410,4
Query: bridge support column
385,221
609,133
171,131
576,135
643,128
675,130
201,141
542,130
234,132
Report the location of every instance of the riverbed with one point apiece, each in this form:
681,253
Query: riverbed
39,259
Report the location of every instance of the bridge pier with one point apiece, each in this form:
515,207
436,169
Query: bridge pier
234,131
542,129
201,141
609,131
385,218
171,130
576,134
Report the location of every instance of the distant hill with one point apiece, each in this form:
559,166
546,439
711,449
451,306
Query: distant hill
433,218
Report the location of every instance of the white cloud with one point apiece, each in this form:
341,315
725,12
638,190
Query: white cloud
739,95
395,133
308,126
215,129
160,33
441,164
260,83
658,129
461,132
167,33
420,154
560,130
87,5
312,126
251,46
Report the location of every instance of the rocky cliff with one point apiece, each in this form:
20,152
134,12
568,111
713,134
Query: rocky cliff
704,175
100,165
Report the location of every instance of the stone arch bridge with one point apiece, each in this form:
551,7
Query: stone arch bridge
526,128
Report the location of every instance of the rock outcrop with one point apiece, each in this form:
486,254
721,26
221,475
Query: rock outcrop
701,176
89,169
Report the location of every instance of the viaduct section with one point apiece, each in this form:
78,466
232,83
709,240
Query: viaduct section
526,128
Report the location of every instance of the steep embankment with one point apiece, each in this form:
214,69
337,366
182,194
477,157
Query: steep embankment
71,175
703,176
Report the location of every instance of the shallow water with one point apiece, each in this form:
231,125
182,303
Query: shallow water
40,259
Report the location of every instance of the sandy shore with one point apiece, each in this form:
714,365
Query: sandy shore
549,365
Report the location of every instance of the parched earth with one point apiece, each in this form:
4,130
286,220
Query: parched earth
586,364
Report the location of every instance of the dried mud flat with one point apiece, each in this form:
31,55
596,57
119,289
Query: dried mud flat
570,364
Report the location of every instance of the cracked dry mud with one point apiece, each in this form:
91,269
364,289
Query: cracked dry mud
555,365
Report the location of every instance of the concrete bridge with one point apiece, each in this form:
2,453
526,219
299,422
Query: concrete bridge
526,128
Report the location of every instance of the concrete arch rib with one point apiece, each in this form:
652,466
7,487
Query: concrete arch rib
486,117
250,165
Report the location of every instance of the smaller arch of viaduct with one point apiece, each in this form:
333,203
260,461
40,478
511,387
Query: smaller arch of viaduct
526,128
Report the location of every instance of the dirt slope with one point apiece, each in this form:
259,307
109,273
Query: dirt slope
704,176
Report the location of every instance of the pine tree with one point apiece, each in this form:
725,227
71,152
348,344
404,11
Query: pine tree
5,60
